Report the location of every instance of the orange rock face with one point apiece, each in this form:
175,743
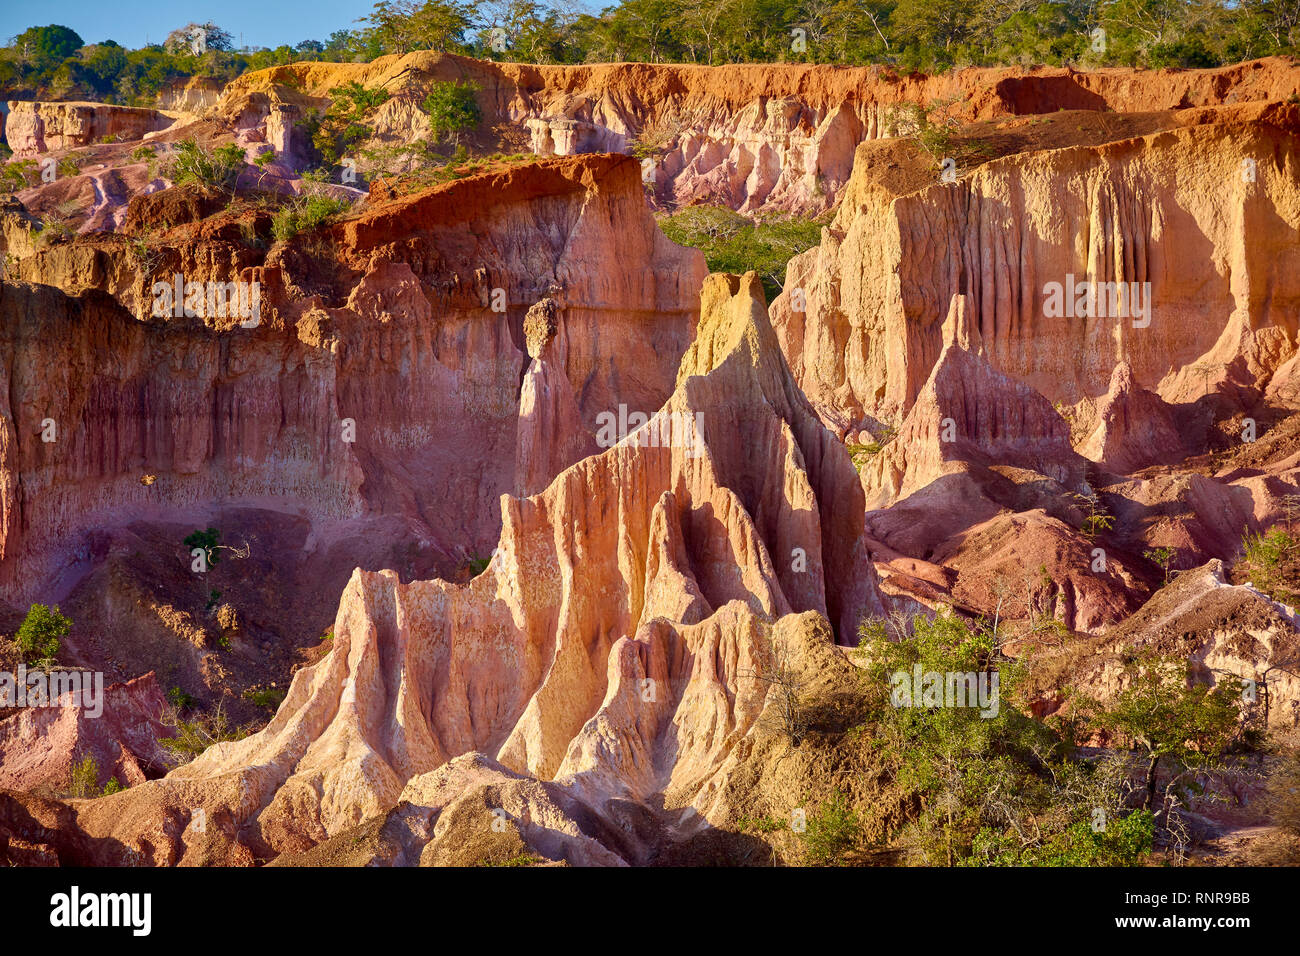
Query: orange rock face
35,128
754,137
539,522
1184,213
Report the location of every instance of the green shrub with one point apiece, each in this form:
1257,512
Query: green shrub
1126,840
268,697
305,214
41,633
196,734
452,110
830,832
179,699
19,174
85,778
216,169
52,231
207,540
342,125
84,782
964,769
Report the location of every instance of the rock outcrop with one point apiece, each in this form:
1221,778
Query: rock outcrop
541,525
1135,428
35,128
1201,216
617,644
969,413
40,745
1225,631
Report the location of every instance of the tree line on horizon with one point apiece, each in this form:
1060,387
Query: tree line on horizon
911,35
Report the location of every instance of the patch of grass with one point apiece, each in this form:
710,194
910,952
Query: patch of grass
305,214
732,243
830,832
763,824
523,859
269,697
199,732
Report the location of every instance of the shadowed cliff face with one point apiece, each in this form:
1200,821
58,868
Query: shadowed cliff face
395,393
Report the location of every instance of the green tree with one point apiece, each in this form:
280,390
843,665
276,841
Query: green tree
954,758
41,633
1168,720
400,26
47,45
452,110
343,124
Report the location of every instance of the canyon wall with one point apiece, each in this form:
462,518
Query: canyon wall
621,642
1207,214
388,387
31,129
767,137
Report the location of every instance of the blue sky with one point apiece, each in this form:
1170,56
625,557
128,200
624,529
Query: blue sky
132,22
